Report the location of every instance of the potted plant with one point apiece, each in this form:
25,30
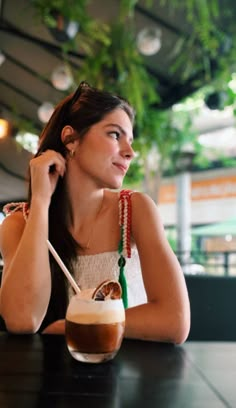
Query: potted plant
66,18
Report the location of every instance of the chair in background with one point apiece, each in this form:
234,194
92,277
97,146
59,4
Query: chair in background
213,307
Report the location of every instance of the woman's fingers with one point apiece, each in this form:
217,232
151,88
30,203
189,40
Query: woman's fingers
45,170
53,160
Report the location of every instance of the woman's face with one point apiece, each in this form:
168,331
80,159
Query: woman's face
105,152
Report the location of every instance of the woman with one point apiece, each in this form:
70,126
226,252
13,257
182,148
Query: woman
84,153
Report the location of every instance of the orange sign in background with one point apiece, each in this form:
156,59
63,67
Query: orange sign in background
167,194
207,189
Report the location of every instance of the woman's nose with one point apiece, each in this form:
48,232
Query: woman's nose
127,151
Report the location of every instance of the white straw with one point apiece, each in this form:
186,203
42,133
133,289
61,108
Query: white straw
63,267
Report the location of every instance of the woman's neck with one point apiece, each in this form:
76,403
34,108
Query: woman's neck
84,197
86,207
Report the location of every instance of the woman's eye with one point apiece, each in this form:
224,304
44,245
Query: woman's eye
115,135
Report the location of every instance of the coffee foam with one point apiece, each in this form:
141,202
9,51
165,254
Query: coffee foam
86,293
94,312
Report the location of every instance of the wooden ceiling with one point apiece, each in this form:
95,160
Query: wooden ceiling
31,53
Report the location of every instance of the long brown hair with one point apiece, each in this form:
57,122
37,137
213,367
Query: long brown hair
86,107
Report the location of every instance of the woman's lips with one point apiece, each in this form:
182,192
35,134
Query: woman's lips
121,167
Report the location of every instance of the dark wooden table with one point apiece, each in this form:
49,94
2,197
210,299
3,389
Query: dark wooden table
37,371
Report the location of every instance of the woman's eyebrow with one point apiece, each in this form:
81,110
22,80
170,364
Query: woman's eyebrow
120,129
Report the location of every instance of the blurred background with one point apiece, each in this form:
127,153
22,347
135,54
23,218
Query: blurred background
175,62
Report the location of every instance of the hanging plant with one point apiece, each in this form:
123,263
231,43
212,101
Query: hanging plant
120,68
71,10
69,19
114,63
214,49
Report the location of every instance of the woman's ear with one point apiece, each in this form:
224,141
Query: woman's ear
68,135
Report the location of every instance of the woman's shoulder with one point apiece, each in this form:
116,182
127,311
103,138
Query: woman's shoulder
138,200
12,225
128,193
145,211
14,207
15,214
141,200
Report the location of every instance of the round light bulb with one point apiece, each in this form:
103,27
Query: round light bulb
149,41
4,128
62,77
72,29
45,111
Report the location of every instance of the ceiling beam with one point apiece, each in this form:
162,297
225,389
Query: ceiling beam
27,69
52,48
20,92
8,108
156,19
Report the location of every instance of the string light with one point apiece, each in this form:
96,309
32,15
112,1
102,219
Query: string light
45,111
4,128
62,78
2,58
149,41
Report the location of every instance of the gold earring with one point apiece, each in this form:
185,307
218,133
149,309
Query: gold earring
71,153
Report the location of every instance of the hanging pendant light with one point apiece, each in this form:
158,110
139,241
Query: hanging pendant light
2,58
45,111
64,29
4,128
149,40
61,77
216,100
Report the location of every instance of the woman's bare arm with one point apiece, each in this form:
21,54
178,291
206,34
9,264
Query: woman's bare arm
26,280
26,283
166,316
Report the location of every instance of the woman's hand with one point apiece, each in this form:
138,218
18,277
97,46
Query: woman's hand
45,171
57,327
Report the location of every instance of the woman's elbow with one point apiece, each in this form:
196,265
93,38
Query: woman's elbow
171,325
181,334
181,327
21,326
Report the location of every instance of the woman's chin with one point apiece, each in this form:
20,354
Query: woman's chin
115,184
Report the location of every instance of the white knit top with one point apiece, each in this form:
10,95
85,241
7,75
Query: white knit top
91,270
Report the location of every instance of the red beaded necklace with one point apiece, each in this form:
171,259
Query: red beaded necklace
124,248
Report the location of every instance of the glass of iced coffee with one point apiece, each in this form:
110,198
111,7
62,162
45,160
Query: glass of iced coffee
95,323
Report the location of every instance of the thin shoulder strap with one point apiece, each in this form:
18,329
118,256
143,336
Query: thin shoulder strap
125,209
125,238
13,207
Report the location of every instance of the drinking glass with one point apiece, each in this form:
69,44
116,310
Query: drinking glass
94,328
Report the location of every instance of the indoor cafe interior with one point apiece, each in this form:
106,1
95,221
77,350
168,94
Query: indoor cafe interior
176,64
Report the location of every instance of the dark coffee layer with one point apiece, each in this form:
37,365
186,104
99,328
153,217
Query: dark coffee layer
94,338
